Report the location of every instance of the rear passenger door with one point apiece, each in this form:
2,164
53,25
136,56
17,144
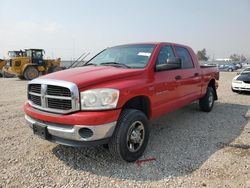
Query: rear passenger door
189,78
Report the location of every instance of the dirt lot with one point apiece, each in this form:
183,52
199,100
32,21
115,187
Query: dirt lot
192,149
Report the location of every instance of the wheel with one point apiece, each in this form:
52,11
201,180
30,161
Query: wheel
230,70
21,77
131,135
31,73
207,102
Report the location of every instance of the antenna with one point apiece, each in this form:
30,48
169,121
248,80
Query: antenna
82,59
76,60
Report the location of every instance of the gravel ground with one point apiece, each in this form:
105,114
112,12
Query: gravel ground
192,149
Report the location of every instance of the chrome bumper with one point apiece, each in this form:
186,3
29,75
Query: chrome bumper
76,132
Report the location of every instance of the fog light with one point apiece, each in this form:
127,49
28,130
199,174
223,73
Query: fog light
85,132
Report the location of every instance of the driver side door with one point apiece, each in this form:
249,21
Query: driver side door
165,83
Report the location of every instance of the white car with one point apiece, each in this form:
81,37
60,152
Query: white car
241,82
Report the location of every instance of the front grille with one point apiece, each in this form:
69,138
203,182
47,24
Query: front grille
58,91
35,88
247,82
36,100
59,104
62,98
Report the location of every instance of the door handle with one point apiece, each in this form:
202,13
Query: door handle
196,74
178,77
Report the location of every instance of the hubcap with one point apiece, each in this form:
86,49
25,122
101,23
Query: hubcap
32,74
135,136
211,99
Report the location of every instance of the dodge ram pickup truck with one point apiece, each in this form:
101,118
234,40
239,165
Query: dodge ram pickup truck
111,99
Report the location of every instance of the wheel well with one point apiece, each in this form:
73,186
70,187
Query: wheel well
212,84
141,103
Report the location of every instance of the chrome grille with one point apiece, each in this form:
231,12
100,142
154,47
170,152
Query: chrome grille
59,104
53,95
36,100
58,91
35,88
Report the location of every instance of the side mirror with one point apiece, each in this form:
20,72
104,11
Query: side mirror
238,73
170,63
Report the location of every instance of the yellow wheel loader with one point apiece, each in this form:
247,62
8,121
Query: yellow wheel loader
2,64
6,69
29,64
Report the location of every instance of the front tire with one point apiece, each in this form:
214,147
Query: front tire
131,135
31,73
207,102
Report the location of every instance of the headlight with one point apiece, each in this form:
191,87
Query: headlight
98,99
237,81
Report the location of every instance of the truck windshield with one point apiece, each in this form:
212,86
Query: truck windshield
125,56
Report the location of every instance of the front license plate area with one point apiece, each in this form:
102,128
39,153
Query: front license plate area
41,130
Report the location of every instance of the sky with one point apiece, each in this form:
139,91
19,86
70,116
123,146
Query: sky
66,29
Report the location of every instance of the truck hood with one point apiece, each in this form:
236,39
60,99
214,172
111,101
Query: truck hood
90,75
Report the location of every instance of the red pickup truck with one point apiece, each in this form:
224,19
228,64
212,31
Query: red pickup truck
110,100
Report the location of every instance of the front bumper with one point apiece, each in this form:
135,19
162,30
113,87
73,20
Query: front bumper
75,135
90,118
241,86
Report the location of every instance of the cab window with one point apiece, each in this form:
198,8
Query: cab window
165,53
185,57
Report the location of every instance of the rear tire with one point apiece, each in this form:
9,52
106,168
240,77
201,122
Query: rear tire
230,70
31,73
131,135
207,102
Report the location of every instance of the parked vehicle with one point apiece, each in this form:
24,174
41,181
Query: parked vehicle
227,67
29,64
238,65
241,82
112,98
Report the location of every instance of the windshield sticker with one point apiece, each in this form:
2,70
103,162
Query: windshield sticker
144,54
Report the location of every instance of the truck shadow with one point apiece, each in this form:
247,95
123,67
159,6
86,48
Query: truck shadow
180,141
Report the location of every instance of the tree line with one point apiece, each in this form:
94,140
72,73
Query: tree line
202,56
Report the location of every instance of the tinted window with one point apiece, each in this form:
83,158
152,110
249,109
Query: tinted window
185,57
165,52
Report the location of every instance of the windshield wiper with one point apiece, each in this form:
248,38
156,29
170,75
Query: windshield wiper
115,64
86,64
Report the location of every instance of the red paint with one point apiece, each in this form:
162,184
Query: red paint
78,118
139,162
131,83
